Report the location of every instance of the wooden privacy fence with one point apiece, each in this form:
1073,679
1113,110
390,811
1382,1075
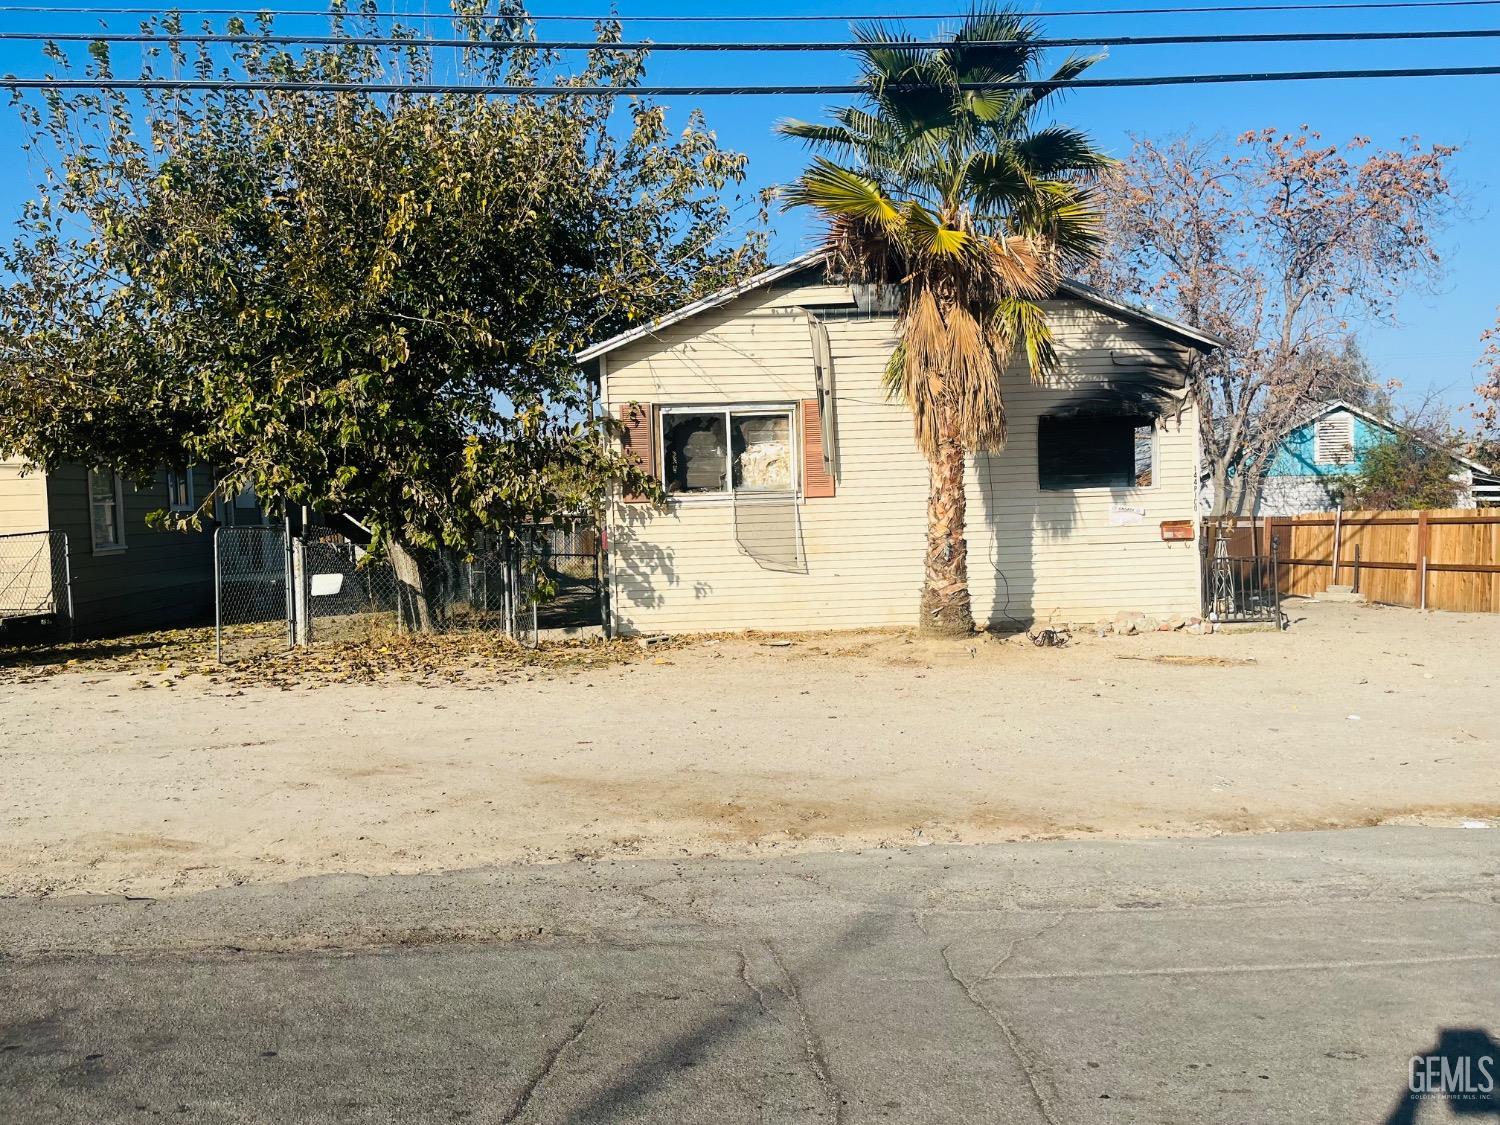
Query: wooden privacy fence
1442,559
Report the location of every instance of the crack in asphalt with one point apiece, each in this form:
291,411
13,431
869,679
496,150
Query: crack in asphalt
528,1093
1281,967
810,1041
1013,1041
744,975
1016,944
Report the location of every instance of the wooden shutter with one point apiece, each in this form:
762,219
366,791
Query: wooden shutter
640,440
817,480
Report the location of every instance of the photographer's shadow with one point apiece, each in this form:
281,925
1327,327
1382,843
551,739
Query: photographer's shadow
1463,1072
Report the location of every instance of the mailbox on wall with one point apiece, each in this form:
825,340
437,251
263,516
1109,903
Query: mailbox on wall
1176,531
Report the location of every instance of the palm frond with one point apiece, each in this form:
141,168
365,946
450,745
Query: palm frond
840,191
997,182
1057,152
888,55
813,132
930,236
838,140
1072,67
1024,323
973,58
1067,216
1019,267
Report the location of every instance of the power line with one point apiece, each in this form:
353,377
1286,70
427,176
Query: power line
210,85
534,17
705,46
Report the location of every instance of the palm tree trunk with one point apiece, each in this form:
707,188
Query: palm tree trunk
945,589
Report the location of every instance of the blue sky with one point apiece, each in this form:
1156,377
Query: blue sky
1432,347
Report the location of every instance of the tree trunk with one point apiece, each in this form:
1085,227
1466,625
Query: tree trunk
418,607
945,590
1219,483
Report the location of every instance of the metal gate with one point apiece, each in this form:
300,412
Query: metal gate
557,575
1241,576
36,585
253,610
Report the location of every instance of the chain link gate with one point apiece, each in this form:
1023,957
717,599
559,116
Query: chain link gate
36,584
253,610
340,593
559,575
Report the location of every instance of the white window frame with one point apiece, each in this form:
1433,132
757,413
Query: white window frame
728,492
1324,453
173,476
1155,457
118,545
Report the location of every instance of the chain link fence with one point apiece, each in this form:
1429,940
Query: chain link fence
558,575
323,588
253,612
36,584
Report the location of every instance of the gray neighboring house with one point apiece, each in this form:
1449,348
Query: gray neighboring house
126,576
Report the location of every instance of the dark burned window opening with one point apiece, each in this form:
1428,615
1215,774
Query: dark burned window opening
1095,451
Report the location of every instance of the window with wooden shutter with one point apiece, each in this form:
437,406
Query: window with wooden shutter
711,451
817,478
640,441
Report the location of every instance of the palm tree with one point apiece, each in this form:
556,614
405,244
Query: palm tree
942,187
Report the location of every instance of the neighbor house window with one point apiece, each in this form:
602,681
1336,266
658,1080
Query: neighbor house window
106,510
1333,439
180,489
743,450
1095,451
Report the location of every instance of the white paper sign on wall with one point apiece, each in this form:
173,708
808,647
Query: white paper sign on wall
1123,514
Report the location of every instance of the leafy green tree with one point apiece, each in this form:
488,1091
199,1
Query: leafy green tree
1404,473
360,302
958,197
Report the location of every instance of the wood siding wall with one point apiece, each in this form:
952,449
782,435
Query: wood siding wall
1033,554
23,499
160,579
1461,547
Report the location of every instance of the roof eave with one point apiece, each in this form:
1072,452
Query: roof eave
1385,423
1187,333
702,304
1193,337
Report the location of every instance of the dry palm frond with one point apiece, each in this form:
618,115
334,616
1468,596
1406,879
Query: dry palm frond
951,195
962,319
1022,267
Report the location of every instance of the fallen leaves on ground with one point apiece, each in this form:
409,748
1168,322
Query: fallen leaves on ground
165,659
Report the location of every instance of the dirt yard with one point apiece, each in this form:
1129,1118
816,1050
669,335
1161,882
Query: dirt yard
167,783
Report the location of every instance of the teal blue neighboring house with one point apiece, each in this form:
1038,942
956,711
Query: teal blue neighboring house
1326,447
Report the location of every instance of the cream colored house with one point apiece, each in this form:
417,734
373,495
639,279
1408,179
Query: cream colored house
798,498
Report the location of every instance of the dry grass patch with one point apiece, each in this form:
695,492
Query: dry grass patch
1184,660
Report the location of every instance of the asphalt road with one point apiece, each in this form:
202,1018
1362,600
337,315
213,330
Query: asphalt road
1246,980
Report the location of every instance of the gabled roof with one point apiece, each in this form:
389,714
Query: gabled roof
1193,337
1317,410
